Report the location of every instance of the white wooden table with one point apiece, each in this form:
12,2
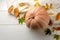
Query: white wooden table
11,30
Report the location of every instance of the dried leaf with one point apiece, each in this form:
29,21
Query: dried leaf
47,6
51,13
21,4
37,4
35,0
10,9
51,6
57,16
16,12
43,6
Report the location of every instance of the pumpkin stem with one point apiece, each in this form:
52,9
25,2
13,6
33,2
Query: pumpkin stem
32,17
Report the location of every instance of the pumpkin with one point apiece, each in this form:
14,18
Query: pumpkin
37,18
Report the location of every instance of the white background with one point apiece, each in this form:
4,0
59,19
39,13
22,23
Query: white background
11,30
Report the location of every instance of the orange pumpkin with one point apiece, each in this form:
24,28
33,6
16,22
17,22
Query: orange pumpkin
36,18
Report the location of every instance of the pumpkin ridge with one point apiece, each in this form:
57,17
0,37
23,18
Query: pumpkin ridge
43,18
39,23
43,22
28,22
34,24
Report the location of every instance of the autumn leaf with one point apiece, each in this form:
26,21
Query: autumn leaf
21,20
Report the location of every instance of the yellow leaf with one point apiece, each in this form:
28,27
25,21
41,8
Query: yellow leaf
51,6
43,6
51,13
35,0
21,4
37,4
47,6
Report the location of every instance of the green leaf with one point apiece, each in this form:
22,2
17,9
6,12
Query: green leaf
48,32
56,36
21,20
